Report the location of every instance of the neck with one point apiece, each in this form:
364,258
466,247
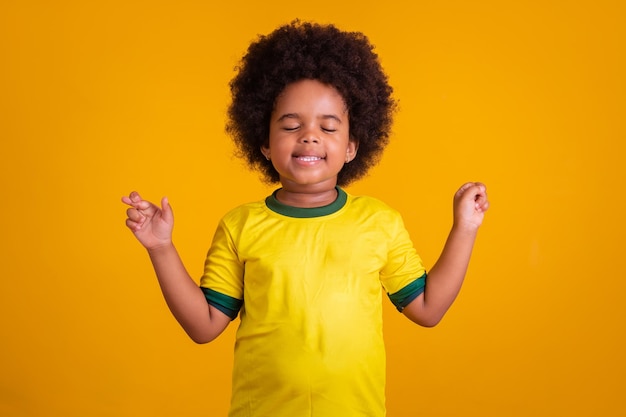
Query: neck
305,199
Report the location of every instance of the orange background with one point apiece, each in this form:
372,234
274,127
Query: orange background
100,98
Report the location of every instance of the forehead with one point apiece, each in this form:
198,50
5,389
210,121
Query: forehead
311,96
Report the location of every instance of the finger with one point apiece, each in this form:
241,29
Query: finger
480,199
464,188
166,210
471,190
144,206
133,226
135,216
482,205
468,192
133,199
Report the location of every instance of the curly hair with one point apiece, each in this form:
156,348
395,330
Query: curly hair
304,50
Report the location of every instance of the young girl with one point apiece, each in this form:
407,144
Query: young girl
304,268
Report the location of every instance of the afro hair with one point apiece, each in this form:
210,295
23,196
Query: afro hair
302,50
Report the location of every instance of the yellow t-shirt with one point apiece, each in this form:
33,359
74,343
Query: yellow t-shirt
309,283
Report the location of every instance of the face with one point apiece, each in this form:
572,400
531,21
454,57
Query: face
309,136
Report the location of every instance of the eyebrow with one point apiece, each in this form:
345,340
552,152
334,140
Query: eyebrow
297,116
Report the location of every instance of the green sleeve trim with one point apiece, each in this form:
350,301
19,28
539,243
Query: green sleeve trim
402,298
224,303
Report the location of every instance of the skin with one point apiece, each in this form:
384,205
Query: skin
308,145
152,226
446,276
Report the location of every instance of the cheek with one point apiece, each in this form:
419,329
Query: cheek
280,149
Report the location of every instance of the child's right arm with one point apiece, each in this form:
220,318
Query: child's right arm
153,226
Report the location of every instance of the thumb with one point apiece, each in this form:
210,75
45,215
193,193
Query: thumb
167,212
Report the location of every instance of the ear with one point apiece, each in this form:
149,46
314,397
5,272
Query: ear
353,146
265,150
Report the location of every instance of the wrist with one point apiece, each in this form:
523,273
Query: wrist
465,228
160,248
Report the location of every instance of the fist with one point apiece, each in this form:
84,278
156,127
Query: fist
470,204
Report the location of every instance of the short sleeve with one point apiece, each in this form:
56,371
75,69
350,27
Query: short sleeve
222,281
404,275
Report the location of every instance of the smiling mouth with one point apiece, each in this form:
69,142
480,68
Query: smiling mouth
308,158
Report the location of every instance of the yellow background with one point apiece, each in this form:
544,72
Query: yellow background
101,98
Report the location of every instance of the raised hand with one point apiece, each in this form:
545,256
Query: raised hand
470,204
151,225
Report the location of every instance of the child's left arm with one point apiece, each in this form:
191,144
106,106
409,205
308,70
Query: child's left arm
446,277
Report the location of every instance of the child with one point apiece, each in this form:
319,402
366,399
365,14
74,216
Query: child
304,268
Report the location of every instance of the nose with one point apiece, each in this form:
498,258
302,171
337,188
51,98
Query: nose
309,135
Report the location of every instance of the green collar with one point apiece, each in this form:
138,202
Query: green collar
305,213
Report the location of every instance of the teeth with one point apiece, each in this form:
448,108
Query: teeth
309,158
